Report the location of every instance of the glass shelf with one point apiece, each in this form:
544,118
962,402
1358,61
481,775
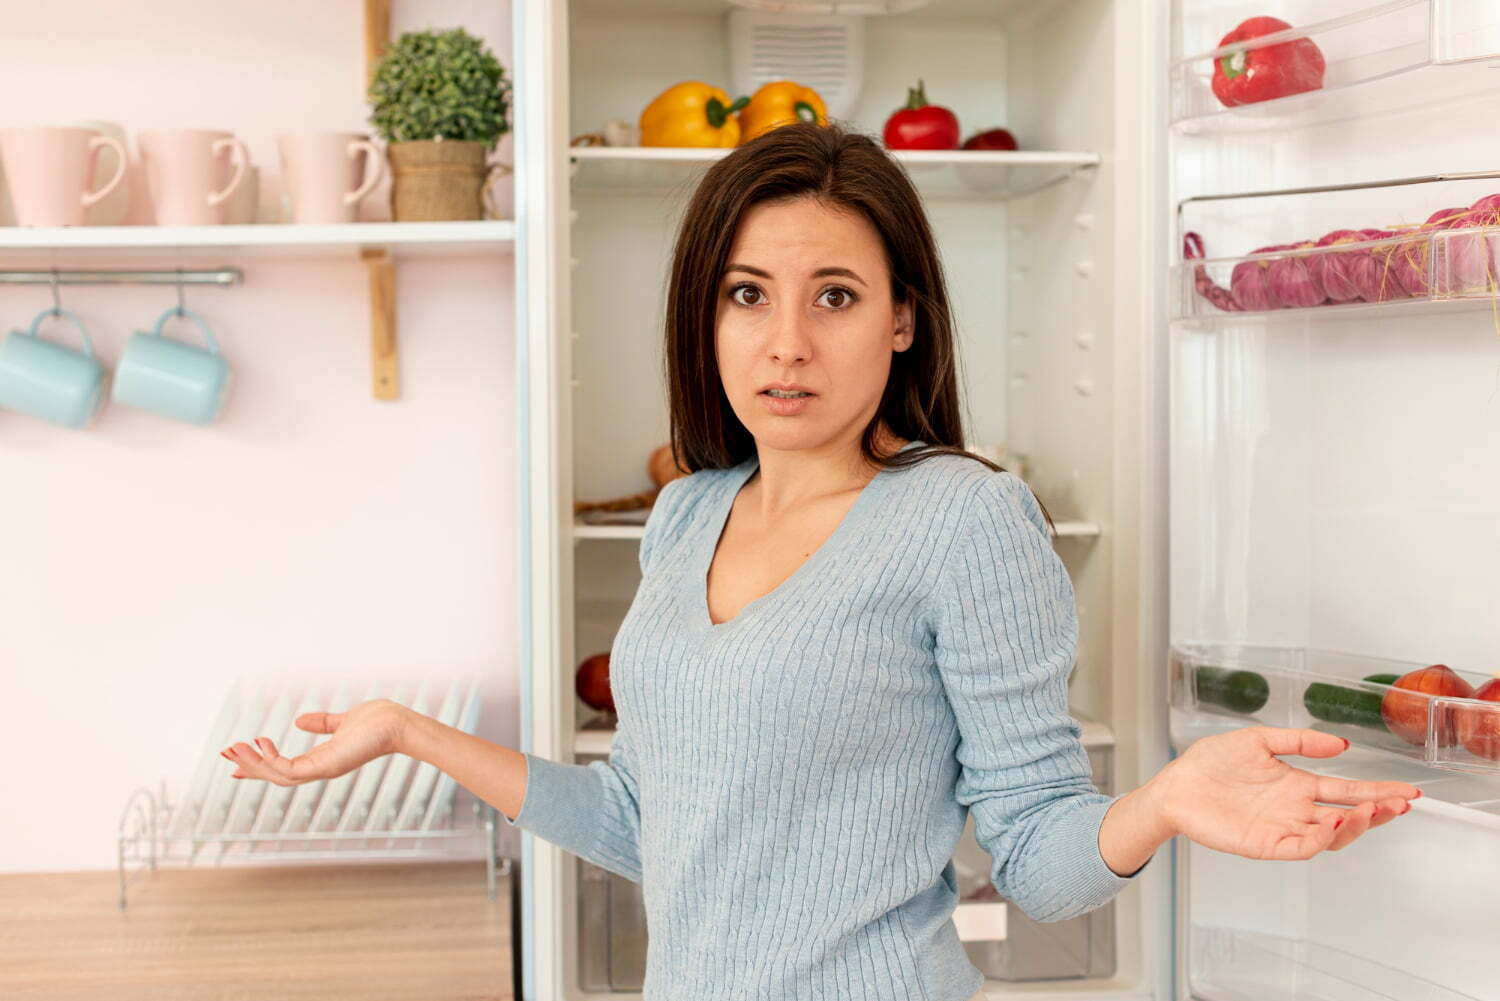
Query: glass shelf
1241,964
1328,691
944,173
1396,56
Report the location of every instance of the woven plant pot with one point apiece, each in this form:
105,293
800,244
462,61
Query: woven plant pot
434,180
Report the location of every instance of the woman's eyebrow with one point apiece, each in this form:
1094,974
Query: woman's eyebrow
751,269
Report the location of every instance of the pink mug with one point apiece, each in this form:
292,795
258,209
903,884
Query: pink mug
49,169
186,174
323,170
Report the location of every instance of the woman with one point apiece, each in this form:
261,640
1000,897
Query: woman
849,635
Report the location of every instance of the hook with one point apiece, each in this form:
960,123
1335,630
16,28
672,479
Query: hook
180,311
56,297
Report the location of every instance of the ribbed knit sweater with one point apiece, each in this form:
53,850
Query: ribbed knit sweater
789,786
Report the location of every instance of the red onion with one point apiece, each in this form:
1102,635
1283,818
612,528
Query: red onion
1370,269
1293,280
1410,264
1331,268
1203,283
1250,284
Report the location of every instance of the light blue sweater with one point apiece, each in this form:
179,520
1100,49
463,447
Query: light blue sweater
788,787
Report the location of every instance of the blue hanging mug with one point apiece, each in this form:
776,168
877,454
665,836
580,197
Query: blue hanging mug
171,377
48,380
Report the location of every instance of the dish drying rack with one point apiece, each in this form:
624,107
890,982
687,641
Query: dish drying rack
393,807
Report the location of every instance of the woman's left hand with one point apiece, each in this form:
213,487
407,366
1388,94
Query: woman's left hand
1231,793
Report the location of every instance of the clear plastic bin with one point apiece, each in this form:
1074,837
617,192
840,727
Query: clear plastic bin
1324,251
1332,692
1393,56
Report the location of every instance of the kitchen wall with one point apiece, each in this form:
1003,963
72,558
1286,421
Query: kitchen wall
145,564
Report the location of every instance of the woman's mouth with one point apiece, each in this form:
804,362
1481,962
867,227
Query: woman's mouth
784,406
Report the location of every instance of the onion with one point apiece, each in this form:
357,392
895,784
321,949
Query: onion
1293,280
1331,267
1370,269
1250,285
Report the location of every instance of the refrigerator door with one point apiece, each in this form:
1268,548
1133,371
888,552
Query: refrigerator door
1334,430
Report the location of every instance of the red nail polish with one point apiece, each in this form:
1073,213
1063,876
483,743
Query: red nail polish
1346,743
1418,795
1336,823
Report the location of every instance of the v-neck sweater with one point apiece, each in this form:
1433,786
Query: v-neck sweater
788,787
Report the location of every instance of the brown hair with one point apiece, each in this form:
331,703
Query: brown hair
848,170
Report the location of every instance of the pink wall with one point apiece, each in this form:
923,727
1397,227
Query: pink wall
146,563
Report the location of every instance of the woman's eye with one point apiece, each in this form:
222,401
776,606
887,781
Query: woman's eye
845,297
734,292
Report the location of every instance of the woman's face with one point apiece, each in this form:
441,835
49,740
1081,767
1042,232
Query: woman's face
806,298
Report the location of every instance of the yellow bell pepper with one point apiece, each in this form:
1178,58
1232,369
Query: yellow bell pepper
780,102
691,113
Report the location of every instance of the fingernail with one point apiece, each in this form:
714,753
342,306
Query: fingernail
1346,743
1418,795
225,755
1408,808
1336,823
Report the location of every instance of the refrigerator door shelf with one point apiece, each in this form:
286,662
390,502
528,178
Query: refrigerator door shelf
1329,691
1396,56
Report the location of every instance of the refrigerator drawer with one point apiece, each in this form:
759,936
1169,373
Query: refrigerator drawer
612,922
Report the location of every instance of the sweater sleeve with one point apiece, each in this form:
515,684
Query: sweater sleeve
593,810
1006,635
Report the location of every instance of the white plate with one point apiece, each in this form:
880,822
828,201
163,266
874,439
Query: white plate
427,773
357,810
292,742
210,763
251,711
447,788
248,793
326,817
305,798
388,799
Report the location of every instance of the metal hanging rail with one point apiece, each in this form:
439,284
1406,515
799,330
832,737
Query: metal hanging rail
223,277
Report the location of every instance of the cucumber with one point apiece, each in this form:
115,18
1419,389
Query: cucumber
1336,704
1242,692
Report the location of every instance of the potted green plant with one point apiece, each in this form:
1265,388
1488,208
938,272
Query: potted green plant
439,99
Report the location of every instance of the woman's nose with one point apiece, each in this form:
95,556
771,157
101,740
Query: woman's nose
789,339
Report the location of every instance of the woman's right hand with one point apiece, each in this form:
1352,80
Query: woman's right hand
368,731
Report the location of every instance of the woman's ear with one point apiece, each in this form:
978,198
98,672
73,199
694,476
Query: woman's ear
903,335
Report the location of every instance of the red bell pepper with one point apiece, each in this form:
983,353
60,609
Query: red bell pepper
1268,72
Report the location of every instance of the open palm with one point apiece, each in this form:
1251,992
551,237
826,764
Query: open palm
1231,793
368,731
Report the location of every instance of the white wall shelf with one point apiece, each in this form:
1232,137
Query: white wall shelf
264,239
938,173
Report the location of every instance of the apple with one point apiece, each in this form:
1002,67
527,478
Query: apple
1406,715
1479,728
592,683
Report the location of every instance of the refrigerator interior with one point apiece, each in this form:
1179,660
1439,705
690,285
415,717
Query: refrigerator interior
1027,253
1334,486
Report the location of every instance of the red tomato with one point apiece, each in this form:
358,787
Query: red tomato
991,139
920,125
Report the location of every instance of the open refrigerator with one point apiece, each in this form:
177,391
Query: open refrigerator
1264,503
